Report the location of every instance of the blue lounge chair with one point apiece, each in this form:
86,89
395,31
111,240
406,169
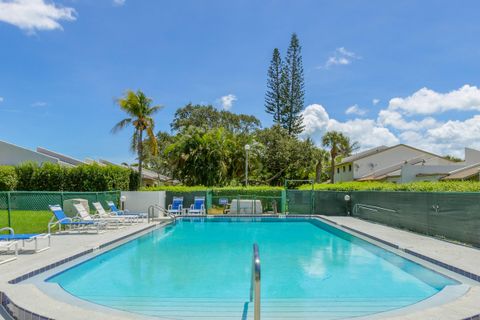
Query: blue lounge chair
118,212
75,224
198,206
177,206
25,238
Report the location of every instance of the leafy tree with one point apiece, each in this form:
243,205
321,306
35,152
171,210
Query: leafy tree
292,84
321,158
207,117
340,145
140,111
273,98
453,158
202,157
159,163
283,156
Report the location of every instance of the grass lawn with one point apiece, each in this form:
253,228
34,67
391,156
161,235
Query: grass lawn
26,221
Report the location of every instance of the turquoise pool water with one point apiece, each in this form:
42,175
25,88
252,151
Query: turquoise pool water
201,267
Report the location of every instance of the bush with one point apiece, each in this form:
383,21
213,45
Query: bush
25,173
54,177
134,183
440,186
8,178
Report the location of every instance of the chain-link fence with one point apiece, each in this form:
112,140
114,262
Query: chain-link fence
28,212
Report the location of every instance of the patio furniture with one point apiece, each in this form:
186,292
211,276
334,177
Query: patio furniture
73,224
131,218
198,206
176,207
114,209
84,215
26,238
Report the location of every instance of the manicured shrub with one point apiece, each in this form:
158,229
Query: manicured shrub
25,173
94,177
49,177
134,183
440,186
8,178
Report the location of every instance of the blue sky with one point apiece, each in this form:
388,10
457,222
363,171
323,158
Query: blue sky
383,72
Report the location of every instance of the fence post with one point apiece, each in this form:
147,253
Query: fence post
283,202
61,198
8,210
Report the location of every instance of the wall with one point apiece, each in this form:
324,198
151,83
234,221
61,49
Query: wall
342,175
409,172
390,157
11,154
139,201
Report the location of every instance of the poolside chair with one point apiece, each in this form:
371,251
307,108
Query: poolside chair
26,238
198,206
84,215
74,224
177,206
101,213
114,209
7,246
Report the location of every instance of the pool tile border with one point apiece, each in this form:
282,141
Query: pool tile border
78,255
17,312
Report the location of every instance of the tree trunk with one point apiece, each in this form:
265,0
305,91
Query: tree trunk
332,170
140,158
318,171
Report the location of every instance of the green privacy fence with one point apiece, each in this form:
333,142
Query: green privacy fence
27,211
449,215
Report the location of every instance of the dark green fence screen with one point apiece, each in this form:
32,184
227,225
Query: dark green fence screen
454,216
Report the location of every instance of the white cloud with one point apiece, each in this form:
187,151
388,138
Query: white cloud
39,104
355,109
375,101
426,101
32,15
341,56
227,101
399,123
366,131
119,3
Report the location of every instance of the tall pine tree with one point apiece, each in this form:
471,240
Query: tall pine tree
273,97
292,88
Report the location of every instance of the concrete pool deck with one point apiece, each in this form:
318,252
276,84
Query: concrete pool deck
28,296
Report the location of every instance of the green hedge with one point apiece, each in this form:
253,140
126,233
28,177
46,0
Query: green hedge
258,190
54,177
441,186
8,178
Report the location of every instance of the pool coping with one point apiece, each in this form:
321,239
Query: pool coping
25,314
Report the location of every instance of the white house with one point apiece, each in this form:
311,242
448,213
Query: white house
11,154
403,163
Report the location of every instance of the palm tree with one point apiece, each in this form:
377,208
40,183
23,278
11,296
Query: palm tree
339,145
322,156
140,111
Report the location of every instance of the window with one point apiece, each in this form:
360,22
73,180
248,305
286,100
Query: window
344,168
338,170
349,167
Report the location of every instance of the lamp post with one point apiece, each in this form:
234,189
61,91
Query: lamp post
247,147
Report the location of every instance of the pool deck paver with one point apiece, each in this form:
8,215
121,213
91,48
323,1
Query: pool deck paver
30,297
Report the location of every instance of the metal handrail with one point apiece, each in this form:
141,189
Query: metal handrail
151,212
255,284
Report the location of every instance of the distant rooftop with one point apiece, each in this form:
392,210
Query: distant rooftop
363,154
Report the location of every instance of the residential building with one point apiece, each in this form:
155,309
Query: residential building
402,163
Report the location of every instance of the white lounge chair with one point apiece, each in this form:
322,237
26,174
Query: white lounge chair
74,224
85,216
101,213
114,209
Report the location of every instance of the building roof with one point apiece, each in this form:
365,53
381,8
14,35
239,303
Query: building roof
391,171
363,154
63,158
381,149
464,173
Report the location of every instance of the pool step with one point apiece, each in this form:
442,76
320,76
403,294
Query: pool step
197,309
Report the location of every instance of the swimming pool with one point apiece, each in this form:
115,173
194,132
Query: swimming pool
201,268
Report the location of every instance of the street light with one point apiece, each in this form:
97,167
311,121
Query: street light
247,147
